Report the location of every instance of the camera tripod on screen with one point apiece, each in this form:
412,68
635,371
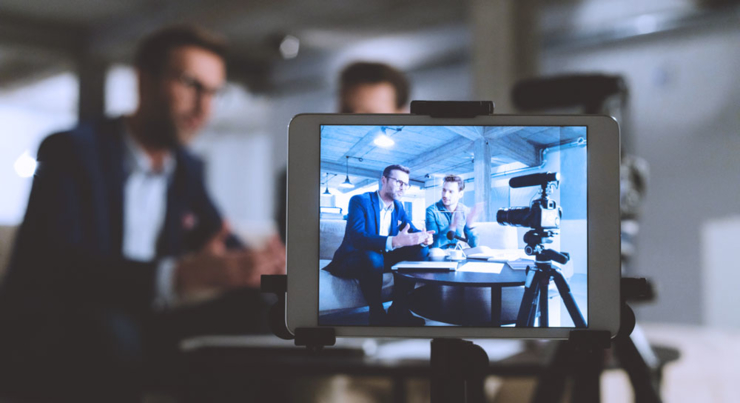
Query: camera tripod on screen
538,282
543,217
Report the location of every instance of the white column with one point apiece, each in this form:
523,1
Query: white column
505,47
482,169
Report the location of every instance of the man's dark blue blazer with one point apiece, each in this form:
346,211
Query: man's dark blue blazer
67,263
363,221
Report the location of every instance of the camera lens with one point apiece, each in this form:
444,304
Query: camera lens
516,216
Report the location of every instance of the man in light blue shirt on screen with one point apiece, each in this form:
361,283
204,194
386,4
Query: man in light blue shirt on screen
449,218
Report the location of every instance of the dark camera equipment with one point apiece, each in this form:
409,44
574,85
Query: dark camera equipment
593,94
452,235
543,216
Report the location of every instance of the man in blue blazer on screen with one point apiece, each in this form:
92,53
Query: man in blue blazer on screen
379,234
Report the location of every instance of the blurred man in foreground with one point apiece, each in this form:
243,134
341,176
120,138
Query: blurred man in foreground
121,241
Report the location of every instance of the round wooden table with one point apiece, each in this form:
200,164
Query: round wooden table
444,294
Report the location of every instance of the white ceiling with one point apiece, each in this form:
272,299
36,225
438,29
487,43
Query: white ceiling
331,31
111,28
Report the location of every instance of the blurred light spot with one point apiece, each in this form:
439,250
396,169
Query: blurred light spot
25,165
646,24
289,47
384,141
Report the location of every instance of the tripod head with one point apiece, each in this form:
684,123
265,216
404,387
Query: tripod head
535,240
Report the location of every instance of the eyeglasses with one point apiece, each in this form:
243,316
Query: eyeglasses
400,182
193,84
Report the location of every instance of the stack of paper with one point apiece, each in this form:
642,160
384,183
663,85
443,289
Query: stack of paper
482,267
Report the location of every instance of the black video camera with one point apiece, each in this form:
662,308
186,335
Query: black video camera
543,213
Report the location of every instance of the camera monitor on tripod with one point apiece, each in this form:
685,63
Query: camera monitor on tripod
492,226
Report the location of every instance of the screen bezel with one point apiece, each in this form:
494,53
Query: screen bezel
603,154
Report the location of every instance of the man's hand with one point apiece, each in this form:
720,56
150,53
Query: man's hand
216,268
455,220
404,238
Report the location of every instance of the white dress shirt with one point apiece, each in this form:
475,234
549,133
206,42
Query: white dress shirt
144,210
384,227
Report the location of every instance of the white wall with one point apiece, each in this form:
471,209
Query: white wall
27,116
721,272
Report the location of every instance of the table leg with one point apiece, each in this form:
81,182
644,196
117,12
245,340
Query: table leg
497,305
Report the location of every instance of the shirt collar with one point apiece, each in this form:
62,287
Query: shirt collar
138,160
382,204
441,206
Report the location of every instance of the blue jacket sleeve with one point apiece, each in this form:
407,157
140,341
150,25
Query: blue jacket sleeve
358,215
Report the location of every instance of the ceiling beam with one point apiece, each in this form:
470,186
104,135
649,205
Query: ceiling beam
439,154
341,169
363,145
504,142
18,73
469,132
149,16
372,174
630,28
52,36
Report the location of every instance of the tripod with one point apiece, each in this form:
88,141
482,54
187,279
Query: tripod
538,282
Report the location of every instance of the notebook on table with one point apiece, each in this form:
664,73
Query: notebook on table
425,265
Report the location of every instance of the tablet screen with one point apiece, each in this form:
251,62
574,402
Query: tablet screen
444,225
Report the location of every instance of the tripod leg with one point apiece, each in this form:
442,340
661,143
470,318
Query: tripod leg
459,370
640,366
476,370
587,376
525,309
551,383
534,308
568,300
448,381
544,297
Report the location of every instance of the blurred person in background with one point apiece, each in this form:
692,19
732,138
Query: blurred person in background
122,253
364,87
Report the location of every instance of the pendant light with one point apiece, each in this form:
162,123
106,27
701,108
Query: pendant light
347,184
